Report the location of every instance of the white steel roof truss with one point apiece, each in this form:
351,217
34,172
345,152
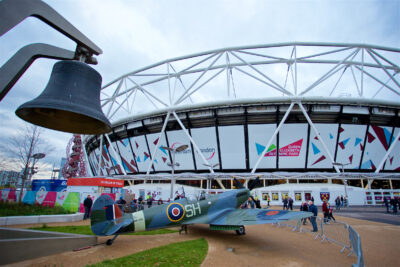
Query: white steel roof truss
332,71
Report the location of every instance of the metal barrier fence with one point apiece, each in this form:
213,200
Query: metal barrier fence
336,232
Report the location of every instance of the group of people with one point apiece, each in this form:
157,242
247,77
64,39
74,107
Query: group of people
138,204
328,212
310,207
391,203
340,202
288,203
251,203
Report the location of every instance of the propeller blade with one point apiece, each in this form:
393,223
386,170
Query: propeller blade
254,183
238,184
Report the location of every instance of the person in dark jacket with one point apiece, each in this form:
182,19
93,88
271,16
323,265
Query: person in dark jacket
88,205
393,203
290,203
140,203
386,201
304,207
285,203
134,205
337,202
312,208
149,200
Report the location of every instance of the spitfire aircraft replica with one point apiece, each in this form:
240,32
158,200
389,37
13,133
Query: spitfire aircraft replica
221,212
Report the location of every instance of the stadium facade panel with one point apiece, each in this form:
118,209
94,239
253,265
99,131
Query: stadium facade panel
280,108
234,136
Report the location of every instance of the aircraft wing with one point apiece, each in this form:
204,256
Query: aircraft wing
258,216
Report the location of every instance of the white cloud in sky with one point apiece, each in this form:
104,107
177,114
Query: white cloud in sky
134,34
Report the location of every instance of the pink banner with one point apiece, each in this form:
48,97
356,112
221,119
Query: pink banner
50,199
12,196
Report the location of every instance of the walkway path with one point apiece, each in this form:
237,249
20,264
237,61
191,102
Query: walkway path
262,245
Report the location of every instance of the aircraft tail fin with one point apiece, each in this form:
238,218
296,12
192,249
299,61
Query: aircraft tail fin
106,217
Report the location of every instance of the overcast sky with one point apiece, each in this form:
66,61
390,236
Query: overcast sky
134,34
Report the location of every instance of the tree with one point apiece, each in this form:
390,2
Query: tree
25,149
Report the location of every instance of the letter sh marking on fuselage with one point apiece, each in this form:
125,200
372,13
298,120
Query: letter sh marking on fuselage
193,210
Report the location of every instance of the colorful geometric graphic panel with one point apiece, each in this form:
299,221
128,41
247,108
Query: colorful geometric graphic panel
350,146
140,152
162,156
127,156
393,160
317,156
259,135
378,141
292,145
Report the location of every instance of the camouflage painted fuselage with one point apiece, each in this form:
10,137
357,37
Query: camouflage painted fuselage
221,212
183,211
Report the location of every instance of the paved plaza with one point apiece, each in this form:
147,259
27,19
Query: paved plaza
262,245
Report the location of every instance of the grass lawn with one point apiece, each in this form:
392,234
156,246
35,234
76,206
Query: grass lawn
85,230
16,209
188,253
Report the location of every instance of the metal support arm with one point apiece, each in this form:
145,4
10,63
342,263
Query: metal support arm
13,69
13,12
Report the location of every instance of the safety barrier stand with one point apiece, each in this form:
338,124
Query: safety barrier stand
333,232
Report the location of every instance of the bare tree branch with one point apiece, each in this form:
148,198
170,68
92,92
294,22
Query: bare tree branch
24,149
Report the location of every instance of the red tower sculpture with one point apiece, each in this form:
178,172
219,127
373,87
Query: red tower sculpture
75,165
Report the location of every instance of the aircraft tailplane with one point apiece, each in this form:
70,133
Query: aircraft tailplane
106,217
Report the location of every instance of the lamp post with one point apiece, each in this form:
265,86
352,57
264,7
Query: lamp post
173,163
29,171
212,166
344,179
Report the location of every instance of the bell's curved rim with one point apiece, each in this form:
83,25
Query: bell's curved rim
94,126
29,109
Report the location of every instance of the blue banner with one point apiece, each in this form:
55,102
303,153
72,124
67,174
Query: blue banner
49,185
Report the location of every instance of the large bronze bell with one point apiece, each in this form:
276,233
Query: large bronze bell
70,102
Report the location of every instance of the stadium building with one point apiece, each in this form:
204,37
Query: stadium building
286,113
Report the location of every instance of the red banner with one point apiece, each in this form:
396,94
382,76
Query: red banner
95,182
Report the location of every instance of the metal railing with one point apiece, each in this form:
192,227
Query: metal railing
339,233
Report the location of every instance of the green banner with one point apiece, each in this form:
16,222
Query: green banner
71,202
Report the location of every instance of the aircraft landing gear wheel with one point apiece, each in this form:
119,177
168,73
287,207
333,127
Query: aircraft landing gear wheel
241,231
109,242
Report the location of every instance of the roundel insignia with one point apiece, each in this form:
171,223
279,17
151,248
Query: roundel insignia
175,212
273,212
